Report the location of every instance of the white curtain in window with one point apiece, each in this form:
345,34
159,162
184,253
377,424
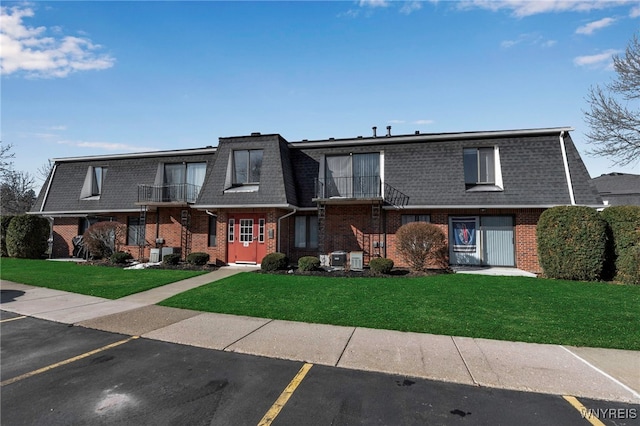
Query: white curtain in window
338,176
195,177
366,175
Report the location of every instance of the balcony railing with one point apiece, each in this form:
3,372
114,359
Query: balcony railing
358,187
168,193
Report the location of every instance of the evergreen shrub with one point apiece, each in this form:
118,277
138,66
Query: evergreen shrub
274,261
27,236
171,259
198,258
623,257
308,263
572,243
4,225
381,265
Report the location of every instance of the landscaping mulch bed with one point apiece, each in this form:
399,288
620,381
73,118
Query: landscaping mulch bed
342,273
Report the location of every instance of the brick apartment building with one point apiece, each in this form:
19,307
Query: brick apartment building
258,194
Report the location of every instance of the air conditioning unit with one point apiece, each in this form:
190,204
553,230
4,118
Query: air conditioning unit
154,257
357,260
338,259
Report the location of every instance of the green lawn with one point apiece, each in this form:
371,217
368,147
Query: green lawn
101,281
504,308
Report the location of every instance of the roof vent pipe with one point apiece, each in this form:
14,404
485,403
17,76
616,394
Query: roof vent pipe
388,131
374,131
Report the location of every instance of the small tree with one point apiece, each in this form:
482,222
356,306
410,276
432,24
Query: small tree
421,244
27,236
102,239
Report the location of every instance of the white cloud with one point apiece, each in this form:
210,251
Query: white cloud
373,3
396,121
591,27
107,146
410,6
599,60
423,122
27,49
522,8
528,39
635,12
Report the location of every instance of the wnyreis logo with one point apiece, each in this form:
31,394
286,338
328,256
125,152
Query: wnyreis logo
610,413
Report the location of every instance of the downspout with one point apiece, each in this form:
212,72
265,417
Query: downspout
295,210
566,169
46,194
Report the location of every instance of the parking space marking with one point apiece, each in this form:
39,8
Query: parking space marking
13,319
284,396
586,414
66,361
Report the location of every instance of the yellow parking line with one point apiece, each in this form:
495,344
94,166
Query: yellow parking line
284,396
66,361
586,414
13,319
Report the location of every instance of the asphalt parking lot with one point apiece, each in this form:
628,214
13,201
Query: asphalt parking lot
56,374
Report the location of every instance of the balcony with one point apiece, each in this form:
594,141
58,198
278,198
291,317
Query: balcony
357,189
183,193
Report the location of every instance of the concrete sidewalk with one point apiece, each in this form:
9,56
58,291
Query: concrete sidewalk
607,374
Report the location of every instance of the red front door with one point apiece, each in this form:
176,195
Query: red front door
246,239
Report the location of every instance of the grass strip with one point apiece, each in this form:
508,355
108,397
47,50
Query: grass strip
101,281
503,308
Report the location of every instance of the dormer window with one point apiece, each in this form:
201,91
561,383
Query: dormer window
246,166
482,169
93,181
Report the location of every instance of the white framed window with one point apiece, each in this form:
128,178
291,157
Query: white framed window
246,230
135,231
482,168
261,226
231,233
247,165
93,182
352,175
306,232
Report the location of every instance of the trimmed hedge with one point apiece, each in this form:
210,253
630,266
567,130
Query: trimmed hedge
572,243
171,259
274,262
381,265
623,260
27,237
308,263
4,226
198,258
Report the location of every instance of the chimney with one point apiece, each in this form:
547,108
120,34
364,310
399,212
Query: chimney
388,131
374,131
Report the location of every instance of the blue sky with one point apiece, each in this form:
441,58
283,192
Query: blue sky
91,78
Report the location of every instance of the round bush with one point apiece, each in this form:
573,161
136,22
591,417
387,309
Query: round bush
198,258
422,244
381,265
27,237
274,262
571,243
120,257
171,259
308,263
623,262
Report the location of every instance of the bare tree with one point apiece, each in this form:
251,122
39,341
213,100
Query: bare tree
17,193
45,170
614,118
5,157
